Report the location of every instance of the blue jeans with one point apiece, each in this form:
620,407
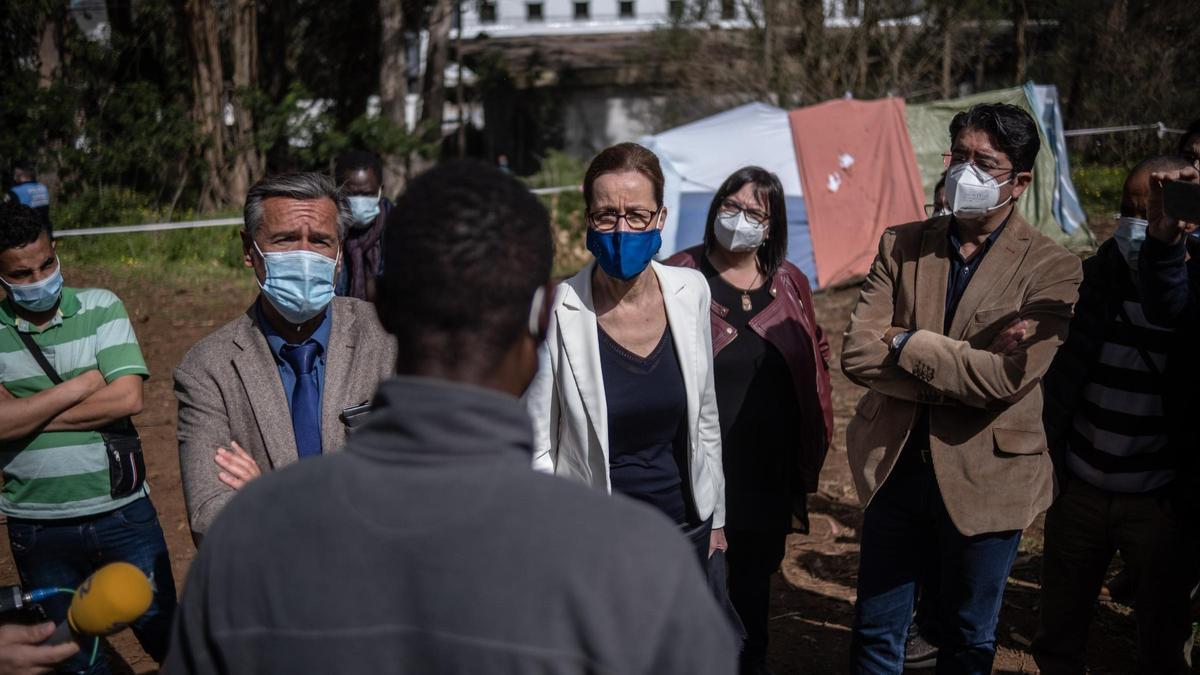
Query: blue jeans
62,553
908,538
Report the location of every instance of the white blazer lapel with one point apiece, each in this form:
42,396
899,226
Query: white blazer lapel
581,341
681,320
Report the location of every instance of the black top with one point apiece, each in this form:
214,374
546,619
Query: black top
760,417
433,548
647,424
961,270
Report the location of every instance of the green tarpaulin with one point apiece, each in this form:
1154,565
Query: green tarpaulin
929,128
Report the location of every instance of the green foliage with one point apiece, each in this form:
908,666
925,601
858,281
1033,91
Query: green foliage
566,209
1099,188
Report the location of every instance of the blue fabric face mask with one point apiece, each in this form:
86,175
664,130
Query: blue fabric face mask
365,209
299,283
39,296
623,255
1130,234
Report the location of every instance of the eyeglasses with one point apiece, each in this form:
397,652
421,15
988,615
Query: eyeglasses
607,221
988,165
756,216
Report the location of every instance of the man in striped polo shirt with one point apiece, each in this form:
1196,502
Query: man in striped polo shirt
1112,410
63,520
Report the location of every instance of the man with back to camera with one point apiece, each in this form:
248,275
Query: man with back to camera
958,319
429,545
69,512
28,191
359,175
1114,404
289,377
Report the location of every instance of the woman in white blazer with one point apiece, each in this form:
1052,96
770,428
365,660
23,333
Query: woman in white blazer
624,398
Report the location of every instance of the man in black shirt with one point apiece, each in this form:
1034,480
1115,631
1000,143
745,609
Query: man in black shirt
429,545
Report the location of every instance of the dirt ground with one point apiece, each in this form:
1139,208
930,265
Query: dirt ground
812,601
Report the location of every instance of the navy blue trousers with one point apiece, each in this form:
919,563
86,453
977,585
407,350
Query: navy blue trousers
908,539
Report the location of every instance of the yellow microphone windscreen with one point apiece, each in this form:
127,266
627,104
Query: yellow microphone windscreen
109,600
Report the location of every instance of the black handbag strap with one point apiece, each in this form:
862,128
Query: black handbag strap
38,356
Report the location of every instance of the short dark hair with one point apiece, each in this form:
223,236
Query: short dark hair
465,248
1012,129
624,157
20,225
354,160
1193,129
304,186
767,188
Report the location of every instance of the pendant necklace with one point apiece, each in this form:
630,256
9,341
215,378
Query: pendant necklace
746,304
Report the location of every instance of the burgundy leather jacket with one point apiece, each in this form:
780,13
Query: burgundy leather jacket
790,325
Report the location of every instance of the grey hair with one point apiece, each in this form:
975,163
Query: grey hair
308,185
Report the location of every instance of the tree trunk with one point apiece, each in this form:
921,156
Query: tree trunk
207,108
247,163
49,53
1020,19
393,84
948,52
433,89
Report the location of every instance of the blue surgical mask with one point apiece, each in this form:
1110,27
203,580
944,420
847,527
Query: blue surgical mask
39,296
623,254
1130,234
365,209
299,283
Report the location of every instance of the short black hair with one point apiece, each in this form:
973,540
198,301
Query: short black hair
1012,129
354,160
1192,130
465,248
20,225
767,187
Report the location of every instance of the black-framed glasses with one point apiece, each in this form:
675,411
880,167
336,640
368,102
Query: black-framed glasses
607,220
988,165
756,216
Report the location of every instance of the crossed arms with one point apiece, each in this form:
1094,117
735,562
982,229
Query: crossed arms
935,369
83,403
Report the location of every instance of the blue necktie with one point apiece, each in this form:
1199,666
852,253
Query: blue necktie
306,397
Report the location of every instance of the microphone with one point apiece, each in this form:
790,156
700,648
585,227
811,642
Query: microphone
106,602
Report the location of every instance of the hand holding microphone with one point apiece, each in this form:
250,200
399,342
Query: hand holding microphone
21,651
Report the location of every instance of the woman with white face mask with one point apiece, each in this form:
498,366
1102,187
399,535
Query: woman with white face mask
772,384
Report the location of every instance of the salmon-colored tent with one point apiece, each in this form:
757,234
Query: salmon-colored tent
859,175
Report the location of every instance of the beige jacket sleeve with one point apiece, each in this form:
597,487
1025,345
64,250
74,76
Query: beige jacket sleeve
203,427
982,379
866,359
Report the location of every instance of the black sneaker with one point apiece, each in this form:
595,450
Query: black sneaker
918,653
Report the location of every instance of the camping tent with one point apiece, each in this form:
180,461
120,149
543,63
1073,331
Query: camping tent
1050,203
696,158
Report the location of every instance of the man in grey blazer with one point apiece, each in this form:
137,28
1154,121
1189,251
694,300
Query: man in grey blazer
288,378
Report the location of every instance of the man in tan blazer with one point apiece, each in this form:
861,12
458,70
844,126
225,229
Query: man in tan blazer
959,318
287,379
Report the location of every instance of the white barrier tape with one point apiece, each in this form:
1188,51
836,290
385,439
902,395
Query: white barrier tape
554,190
218,222
149,227
1159,127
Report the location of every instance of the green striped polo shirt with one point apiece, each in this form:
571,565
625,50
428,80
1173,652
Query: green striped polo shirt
64,474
